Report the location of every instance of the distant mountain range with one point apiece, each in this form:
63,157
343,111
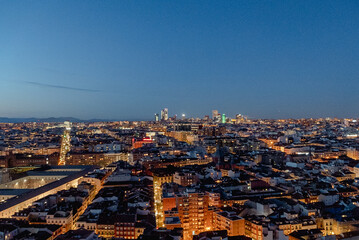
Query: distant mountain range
51,119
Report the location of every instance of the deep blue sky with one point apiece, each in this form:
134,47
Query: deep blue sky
128,59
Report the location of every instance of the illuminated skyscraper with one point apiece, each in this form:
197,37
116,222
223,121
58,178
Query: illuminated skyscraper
223,118
157,117
164,114
214,114
239,118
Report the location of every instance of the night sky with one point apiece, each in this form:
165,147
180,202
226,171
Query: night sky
128,59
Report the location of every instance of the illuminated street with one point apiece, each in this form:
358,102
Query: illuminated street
65,144
158,203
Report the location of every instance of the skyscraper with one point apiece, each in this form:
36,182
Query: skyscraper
164,114
157,117
214,114
223,118
183,116
239,118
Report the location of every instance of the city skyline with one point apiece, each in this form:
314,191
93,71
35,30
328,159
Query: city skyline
179,120
261,180
126,60
155,118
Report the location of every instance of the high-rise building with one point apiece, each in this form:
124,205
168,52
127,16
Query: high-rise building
223,118
157,117
164,114
239,118
214,114
192,210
